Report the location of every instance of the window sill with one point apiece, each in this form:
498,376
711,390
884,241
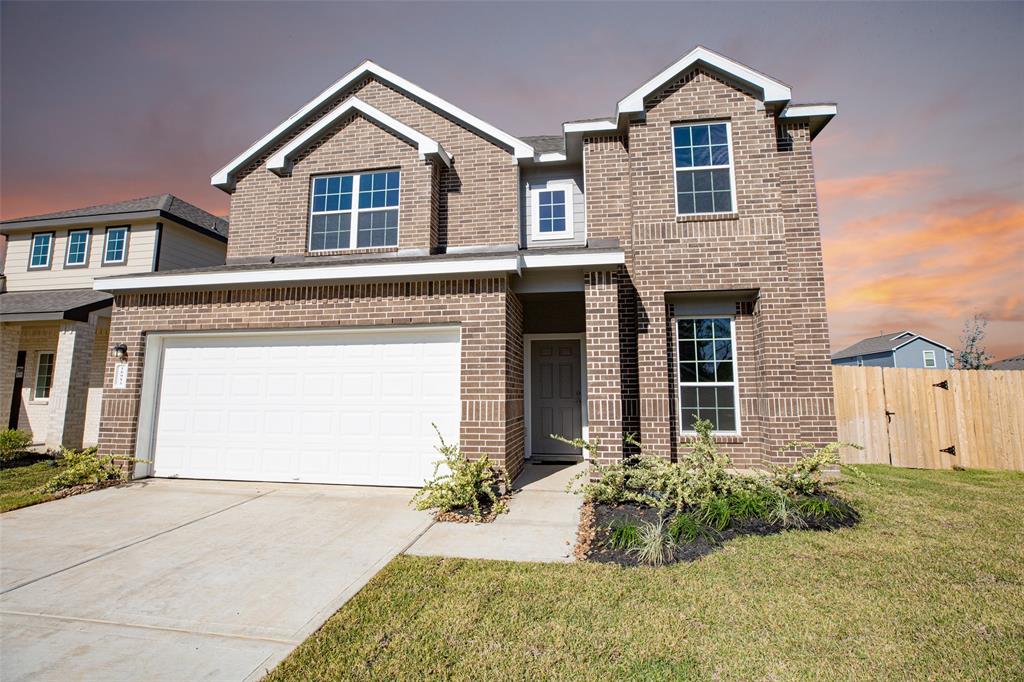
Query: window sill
39,401
720,438
707,217
352,252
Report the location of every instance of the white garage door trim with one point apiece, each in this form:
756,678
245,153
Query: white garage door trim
154,370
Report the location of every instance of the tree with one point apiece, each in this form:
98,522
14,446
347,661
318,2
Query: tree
972,354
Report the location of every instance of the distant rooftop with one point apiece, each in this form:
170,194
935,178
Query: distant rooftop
1016,362
880,344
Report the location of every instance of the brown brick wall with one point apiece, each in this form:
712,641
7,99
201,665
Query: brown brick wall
476,201
482,307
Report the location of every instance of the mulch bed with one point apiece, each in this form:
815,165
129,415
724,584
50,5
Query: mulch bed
596,519
465,515
85,488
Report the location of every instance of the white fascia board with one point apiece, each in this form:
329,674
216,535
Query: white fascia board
224,177
572,260
808,110
312,274
589,127
280,162
551,157
772,90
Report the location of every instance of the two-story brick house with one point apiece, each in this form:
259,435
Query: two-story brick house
395,262
54,326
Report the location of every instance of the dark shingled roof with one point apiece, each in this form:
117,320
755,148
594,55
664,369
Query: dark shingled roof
543,144
71,304
875,344
1016,362
167,203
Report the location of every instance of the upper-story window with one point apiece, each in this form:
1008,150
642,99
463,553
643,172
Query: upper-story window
929,358
41,252
367,200
78,248
552,211
115,248
703,166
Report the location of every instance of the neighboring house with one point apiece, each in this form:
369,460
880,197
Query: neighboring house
899,349
54,325
395,262
1016,362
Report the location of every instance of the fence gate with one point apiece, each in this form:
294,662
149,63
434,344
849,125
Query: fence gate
931,419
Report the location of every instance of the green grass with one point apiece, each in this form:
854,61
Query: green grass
19,485
929,586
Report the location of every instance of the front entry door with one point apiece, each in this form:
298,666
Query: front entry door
555,396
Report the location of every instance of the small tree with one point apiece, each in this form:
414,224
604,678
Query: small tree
972,354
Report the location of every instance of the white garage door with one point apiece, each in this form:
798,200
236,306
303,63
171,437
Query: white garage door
337,407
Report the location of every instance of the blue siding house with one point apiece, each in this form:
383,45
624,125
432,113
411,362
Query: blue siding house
900,349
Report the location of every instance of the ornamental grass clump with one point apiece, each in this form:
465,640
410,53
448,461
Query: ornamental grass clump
465,485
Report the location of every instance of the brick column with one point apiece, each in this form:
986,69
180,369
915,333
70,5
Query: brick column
604,385
70,388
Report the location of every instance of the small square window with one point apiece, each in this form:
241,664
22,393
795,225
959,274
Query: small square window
551,214
115,248
41,252
929,359
78,248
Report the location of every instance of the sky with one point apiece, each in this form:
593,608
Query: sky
920,177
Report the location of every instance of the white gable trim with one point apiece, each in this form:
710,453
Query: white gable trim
224,178
281,162
915,337
772,90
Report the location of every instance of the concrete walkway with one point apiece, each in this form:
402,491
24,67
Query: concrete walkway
540,526
186,580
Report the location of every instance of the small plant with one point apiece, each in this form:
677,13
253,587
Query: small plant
685,528
86,467
824,509
13,443
623,534
806,476
716,513
654,545
469,484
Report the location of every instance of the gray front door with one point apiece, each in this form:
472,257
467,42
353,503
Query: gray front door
555,396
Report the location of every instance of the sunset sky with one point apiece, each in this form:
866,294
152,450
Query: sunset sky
920,177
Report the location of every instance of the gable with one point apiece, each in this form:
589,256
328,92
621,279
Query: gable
327,100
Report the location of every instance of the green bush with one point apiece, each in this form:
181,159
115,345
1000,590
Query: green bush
809,474
13,443
468,484
85,467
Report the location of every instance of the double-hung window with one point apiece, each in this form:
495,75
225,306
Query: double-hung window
707,373
41,252
703,167
115,247
44,376
929,358
78,248
354,211
552,211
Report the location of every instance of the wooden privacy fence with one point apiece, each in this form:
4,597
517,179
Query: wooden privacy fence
930,418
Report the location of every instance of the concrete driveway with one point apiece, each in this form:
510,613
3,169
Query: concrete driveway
186,580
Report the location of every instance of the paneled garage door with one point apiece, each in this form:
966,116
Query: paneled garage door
324,407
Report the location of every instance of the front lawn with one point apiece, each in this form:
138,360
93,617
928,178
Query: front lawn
929,585
19,485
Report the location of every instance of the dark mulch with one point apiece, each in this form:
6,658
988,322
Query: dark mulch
465,514
596,522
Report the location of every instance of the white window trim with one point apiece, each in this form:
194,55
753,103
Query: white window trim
124,248
88,244
732,167
353,235
35,386
735,383
49,251
552,186
925,354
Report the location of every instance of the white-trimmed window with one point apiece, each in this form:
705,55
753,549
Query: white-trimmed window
929,358
703,165
708,387
44,376
78,248
41,252
368,201
115,245
551,211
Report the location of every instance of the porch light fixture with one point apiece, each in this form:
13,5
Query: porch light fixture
120,351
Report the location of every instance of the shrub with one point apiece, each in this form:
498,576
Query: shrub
623,534
685,528
85,467
468,484
13,443
806,476
654,545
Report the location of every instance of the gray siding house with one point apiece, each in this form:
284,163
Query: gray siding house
899,349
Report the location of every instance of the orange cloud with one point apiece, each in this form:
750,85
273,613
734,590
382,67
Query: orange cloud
873,186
